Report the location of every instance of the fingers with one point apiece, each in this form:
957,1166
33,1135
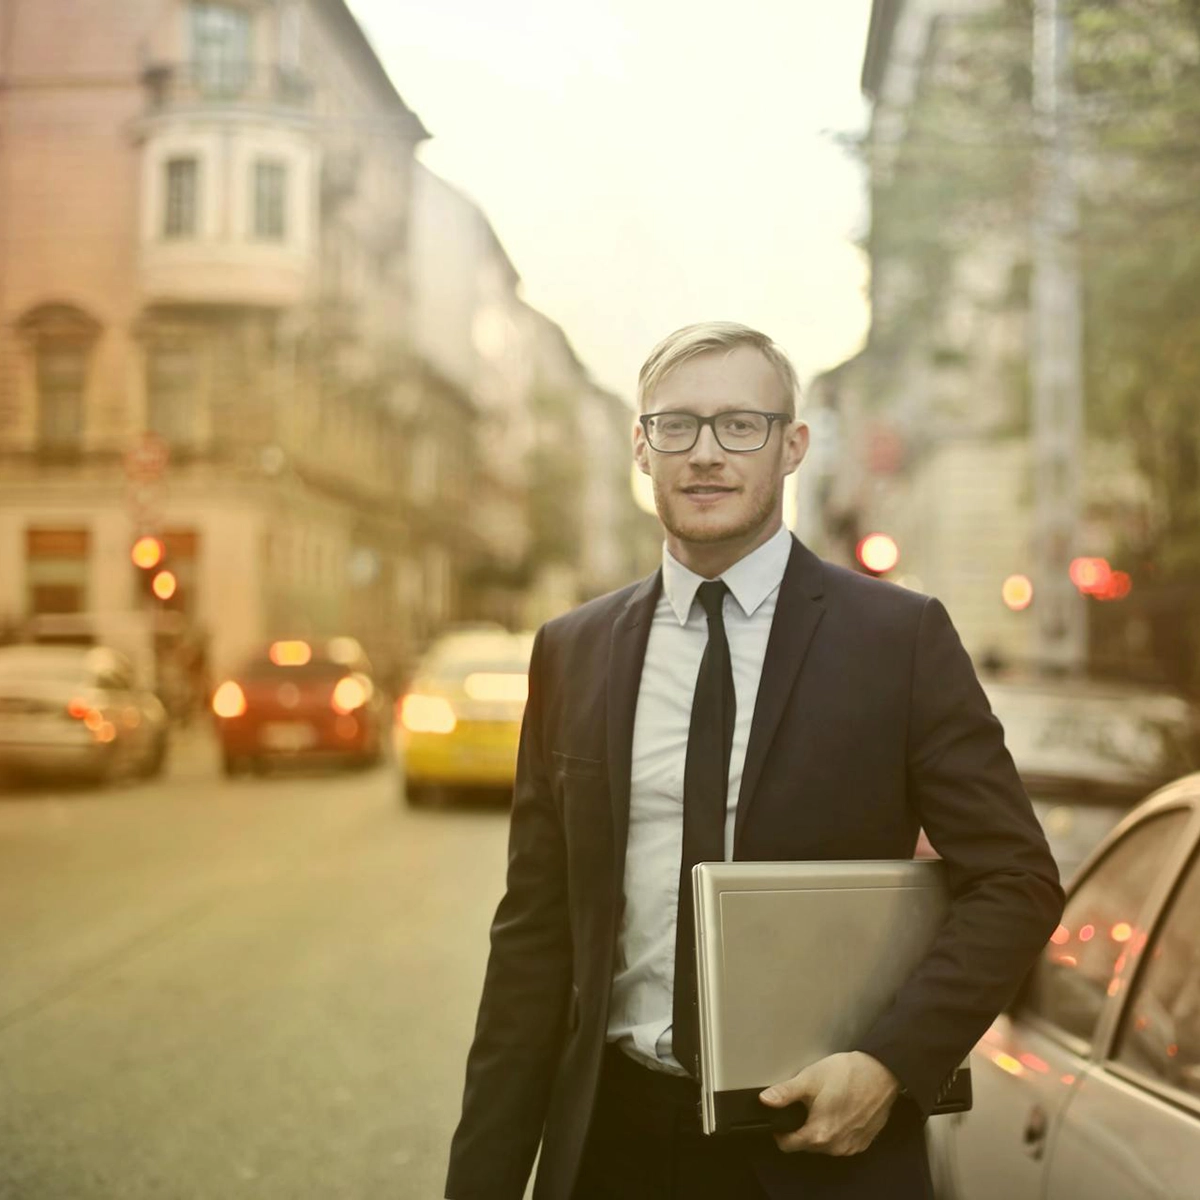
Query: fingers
826,1133
847,1106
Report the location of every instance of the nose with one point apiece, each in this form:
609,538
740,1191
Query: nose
707,449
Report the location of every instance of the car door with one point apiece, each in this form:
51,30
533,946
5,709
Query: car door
1027,1064
1132,1129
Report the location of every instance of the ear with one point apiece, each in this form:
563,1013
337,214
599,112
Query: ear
795,445
641,448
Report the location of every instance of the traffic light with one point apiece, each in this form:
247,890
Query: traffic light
155,581
1095,577
1090,575
164,585
877,553
147,553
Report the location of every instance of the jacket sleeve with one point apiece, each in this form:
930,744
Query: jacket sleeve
1006,898
521,1022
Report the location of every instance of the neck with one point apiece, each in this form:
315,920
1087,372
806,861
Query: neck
710,559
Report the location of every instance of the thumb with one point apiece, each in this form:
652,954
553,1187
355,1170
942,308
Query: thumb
799,1087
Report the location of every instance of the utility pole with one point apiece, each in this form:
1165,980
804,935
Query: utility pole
1057,358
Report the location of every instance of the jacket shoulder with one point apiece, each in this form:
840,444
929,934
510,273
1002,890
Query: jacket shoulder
593,616
842,582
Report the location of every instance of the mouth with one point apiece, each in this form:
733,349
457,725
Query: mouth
705,495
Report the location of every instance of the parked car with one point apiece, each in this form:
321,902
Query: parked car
458,724
301,699
77,712
1088,751
1089,1085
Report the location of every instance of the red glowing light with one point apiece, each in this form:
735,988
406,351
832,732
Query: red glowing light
1090,575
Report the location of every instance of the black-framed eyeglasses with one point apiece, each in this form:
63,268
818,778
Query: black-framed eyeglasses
739,432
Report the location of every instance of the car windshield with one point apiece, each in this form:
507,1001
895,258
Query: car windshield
468,654
1108,737
46,663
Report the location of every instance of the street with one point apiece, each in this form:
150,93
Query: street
215,989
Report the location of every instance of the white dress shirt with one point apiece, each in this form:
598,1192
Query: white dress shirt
640,1009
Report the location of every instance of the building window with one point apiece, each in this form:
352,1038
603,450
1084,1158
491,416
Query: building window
220,48
56,570
61,372
289,37
179,216
270,201
171,371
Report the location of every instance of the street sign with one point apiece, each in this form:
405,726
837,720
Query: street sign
147,459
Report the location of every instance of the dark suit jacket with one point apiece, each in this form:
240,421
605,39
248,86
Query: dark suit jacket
869,724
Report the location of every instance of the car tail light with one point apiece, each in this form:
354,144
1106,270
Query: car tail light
229,700
427,714
351,693
78,709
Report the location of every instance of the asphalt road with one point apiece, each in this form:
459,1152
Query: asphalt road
259,988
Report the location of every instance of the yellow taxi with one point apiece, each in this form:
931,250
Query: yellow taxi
458,724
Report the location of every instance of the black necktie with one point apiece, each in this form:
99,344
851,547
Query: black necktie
705,788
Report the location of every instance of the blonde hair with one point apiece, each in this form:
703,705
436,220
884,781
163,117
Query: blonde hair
691,340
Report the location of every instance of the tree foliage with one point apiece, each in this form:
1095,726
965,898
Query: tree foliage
963,166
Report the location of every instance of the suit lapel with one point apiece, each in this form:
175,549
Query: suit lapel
797,615
630,633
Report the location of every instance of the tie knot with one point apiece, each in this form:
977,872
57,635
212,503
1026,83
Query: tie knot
711,595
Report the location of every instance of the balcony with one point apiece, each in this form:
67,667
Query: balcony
226,86
229,188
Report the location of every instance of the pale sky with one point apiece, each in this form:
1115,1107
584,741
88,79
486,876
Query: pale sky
648,163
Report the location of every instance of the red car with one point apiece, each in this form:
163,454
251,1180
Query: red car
301,700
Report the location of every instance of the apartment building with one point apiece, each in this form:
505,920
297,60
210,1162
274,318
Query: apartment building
931,421
237,316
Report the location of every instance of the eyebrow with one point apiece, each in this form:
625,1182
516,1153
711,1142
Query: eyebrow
727,408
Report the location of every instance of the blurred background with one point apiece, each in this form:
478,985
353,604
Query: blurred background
319,332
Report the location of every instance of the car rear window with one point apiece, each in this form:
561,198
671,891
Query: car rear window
461,655
69,666
1103,736
315,670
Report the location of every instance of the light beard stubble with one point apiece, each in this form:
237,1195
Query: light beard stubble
764,502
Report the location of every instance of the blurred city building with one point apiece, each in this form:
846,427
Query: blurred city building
930,425
237,317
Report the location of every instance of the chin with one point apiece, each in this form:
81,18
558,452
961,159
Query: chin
719,528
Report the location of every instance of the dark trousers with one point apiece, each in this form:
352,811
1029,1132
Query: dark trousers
645,1142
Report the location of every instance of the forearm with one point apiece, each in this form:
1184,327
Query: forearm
1005,894
992,937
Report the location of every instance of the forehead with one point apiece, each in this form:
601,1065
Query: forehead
721,379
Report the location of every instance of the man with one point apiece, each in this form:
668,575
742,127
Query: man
749,701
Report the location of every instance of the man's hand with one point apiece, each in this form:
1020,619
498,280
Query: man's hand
849,1097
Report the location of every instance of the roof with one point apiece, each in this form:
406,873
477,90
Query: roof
340,12
884,15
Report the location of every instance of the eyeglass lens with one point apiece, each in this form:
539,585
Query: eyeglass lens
734,430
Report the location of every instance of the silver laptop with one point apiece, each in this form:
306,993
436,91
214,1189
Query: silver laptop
796,961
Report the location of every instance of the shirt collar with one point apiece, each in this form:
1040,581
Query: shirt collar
751,579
